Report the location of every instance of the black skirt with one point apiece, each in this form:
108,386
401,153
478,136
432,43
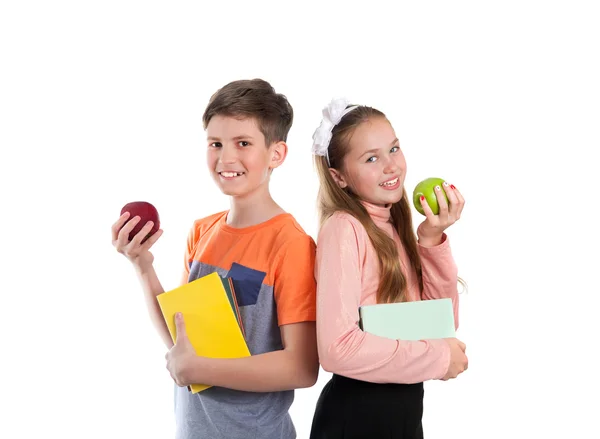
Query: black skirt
352,409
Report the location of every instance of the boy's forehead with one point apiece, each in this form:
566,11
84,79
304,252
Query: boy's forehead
221,126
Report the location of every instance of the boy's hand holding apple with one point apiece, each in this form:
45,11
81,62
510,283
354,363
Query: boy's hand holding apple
441,203
136,230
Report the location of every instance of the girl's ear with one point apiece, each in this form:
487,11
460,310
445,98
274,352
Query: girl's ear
278,154
338,178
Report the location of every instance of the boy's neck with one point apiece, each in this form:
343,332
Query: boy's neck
252,209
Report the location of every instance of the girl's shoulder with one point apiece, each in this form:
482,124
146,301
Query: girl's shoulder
342,223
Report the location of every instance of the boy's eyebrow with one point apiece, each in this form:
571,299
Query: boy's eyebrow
377,149
243,136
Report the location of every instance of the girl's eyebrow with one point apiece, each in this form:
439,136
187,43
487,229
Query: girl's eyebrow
371,151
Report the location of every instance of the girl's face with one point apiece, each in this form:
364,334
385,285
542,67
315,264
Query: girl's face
374,167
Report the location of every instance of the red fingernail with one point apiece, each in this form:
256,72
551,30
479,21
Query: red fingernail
422,197
452,186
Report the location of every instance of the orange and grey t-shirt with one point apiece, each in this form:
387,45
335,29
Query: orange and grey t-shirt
275,260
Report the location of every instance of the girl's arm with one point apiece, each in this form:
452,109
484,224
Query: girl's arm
440,275
343,347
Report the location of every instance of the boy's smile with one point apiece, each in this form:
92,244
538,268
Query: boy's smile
230,175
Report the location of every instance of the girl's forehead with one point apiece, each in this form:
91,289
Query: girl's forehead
374,133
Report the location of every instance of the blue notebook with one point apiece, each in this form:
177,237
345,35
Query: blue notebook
419,320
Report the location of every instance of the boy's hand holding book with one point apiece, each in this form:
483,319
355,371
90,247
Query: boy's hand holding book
182,357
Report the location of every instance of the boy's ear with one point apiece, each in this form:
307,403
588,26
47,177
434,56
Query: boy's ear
279,152
338,178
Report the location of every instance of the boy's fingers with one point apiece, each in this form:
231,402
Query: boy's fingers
123,236
116,227
150,241
180,326
139,237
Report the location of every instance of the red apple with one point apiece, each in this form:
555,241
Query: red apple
147,212
426,188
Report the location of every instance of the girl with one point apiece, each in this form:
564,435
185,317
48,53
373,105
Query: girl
367,253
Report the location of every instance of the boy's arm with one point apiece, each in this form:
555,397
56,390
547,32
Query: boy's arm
294,367
152,288
139,255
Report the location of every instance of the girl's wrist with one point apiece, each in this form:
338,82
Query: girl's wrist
429,240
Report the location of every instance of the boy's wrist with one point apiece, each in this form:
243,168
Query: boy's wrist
142,268
195,370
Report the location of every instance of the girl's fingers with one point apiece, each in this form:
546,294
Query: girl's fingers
428,212
460,198
442,203
452,198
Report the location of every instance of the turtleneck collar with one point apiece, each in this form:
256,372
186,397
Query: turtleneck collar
380,214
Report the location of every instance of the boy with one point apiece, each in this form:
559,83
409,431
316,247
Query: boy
247,124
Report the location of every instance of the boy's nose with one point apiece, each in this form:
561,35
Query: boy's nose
228,154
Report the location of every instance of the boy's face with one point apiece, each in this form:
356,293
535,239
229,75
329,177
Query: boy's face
237,157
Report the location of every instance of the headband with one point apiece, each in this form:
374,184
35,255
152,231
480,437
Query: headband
332,115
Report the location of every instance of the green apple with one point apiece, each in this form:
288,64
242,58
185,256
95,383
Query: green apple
426,188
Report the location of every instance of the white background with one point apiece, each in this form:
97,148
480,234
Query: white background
101,104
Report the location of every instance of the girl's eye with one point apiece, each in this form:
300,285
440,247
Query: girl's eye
372,159
395,149
244,143
216,144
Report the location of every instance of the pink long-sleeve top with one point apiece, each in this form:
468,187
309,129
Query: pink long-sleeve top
347,273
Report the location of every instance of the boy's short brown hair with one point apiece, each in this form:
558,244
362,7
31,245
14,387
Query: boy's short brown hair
254,98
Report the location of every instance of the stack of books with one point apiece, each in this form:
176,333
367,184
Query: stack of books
212,318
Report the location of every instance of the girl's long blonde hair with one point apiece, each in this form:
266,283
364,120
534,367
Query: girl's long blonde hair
392,285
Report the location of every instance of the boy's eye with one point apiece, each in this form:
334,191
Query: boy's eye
395,149
372,159
244,143
216,144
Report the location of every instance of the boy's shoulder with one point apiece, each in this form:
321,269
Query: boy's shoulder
289,236
203,224
292,226
282,230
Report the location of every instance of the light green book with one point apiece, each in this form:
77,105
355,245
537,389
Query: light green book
419,320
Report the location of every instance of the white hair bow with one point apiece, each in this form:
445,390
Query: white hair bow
332,115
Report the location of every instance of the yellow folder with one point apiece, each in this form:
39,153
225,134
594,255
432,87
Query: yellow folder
210,321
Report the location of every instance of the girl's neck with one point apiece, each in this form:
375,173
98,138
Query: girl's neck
380,214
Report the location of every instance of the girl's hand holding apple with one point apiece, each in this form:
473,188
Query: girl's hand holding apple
442,214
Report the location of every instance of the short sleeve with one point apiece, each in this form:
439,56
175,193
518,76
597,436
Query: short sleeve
294,282
192,239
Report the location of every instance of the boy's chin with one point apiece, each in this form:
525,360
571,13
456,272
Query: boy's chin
232,192
236,192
